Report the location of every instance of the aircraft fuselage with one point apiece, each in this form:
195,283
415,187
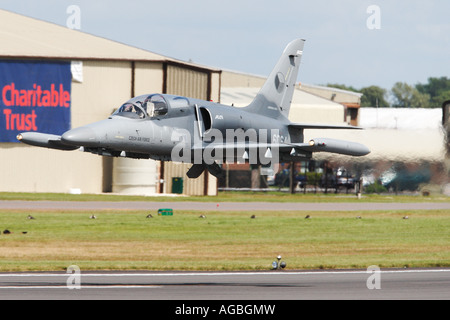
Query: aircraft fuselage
154,136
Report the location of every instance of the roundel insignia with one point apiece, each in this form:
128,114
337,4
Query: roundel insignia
279,82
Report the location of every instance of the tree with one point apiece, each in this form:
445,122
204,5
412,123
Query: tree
374,96
438,89
428,95
406,96
436,102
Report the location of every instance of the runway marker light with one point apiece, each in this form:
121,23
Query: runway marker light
277,264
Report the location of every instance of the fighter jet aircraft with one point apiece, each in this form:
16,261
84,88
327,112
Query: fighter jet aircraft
206,134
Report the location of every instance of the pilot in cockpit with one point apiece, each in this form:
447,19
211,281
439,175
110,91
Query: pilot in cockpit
128,107
155,106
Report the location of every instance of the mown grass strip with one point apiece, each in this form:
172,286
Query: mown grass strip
118,240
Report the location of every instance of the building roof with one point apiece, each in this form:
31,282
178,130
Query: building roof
25,37
233,79
305,107
333,94
243,96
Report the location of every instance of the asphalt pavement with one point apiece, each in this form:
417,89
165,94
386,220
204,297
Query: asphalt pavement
405,284
219,206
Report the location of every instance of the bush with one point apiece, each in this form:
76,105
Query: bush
375,188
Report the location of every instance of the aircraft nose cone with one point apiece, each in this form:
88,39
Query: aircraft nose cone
83,136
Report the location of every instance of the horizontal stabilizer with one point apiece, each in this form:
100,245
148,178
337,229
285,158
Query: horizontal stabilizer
44,140
321,126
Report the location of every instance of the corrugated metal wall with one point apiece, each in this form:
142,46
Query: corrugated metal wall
106,85
148,78
187,82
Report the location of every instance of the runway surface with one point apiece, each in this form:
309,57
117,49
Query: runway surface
406,284
223,206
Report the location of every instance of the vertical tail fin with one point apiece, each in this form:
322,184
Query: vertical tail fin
274,98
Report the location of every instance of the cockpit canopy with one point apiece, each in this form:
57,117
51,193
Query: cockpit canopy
144,106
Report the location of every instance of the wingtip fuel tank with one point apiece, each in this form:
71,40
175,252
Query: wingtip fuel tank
44,140
338,146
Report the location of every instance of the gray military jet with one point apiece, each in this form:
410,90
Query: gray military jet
206,134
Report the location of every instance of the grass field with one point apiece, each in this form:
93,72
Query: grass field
222,240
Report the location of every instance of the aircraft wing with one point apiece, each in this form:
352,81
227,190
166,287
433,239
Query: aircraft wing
45,140
314,145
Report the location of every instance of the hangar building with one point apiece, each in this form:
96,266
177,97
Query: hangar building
103,74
